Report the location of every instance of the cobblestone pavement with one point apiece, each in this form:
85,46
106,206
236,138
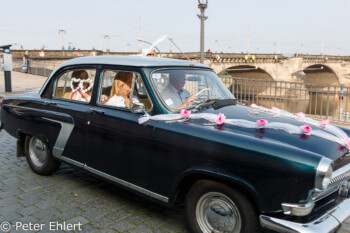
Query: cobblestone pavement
73,196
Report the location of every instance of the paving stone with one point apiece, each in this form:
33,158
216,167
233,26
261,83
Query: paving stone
122,226
89,228
119,214
45,213
96,213
28,210
160,230
103,222
48,203
156,221
11,208
68,214
78,219
141,229
174,226
137,218
92,204
9,217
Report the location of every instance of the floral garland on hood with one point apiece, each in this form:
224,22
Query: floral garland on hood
323,129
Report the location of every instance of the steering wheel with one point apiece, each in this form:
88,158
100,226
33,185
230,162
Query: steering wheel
203,96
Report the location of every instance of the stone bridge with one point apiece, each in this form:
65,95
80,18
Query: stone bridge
308,69
315,69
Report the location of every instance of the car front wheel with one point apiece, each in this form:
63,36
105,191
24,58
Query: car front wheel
39,157
215,207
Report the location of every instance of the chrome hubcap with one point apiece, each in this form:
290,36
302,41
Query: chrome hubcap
217,213
37,151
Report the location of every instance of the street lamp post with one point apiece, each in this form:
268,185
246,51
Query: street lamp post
107,37
202,6
62,32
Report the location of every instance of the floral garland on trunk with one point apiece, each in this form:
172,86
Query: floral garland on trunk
323,128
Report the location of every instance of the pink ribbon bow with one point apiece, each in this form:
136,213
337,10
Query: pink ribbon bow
254,106
325,122
347,143
300,114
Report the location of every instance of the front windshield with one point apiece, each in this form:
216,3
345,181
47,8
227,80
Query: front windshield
180,89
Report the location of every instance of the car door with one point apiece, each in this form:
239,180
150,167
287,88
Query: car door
69,140
118,146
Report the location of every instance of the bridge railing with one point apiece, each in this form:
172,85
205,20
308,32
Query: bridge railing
36,67
316,101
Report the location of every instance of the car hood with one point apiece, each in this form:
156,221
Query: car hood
310,143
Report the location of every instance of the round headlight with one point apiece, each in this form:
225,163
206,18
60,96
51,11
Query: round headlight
323,174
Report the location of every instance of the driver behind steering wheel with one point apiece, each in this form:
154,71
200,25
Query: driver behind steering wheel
173,94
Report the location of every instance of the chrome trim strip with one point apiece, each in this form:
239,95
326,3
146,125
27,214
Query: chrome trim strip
1,125
63,136
127,184
71,161
330,221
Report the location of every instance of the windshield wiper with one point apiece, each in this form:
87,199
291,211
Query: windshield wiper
223,103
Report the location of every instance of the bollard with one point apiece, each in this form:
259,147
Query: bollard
6,66
8,86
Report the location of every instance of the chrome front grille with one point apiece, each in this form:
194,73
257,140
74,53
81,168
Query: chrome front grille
318,196
340,175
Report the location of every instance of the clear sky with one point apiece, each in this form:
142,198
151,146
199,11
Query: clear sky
298,25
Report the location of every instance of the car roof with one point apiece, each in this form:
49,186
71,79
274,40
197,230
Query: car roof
137,61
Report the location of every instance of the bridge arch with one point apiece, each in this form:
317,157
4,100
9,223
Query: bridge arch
324,90
248,71
248,83
320,74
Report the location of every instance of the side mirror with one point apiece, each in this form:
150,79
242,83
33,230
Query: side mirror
137,107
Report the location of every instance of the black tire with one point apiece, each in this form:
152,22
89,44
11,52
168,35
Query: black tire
242,217
46,165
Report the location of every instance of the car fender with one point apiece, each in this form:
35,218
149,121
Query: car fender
200,174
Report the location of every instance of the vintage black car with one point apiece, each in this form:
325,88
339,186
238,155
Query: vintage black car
170,130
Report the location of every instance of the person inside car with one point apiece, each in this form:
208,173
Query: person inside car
120,92
80,85
151,53
174,95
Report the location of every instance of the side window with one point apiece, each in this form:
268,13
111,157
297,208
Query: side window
75,85
122,88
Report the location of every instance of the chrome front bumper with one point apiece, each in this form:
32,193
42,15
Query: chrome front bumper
330,221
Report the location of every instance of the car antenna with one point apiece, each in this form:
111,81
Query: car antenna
191,63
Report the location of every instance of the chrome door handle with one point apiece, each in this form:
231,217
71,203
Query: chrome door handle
94,110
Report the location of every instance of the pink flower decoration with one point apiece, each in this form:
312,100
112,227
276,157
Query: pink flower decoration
262,122
220,119
347,143
300,114
306,129
254,106
184,113
325,122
